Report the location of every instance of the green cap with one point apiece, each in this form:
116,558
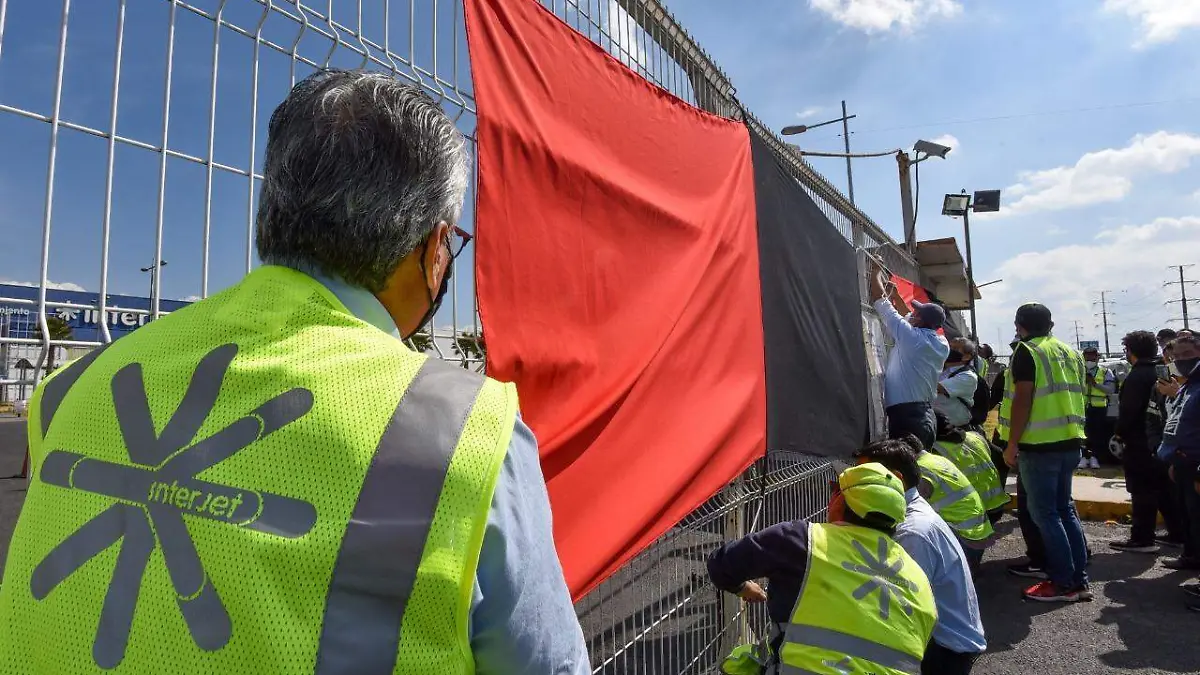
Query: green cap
871,488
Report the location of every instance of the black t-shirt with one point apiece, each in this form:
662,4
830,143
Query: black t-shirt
1025,370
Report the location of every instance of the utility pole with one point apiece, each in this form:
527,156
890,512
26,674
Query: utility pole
1078,340
1183,284
846,138
1104,303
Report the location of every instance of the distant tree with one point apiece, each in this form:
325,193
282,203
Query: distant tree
421,342
469,346
59,330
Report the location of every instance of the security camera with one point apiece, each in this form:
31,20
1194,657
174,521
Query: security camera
932,149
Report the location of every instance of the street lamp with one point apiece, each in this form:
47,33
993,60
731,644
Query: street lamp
150,269
984,201
845,120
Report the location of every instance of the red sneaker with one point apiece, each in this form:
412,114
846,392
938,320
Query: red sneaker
1048,592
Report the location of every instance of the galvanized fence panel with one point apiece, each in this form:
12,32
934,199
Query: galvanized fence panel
171,99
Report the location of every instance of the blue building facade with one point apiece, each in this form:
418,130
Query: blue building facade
20,320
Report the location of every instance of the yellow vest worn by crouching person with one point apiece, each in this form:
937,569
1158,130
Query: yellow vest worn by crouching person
866,607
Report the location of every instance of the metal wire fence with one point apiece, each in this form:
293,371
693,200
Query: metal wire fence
133,132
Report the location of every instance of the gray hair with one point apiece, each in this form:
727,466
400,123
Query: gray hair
359,169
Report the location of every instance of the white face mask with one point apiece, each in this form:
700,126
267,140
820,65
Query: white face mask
1173,369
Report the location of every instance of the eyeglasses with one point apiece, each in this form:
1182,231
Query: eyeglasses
457,240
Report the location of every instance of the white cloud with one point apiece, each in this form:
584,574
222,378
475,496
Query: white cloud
1054,231
809,112
65,286
192,298
1099,177
627,36
880,16
1129,261
1161,20
949,141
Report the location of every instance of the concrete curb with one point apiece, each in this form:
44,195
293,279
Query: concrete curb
1113,503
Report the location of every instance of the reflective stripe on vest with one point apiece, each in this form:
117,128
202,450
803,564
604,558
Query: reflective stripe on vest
1096,397
377,566
865,606
1051,423
955,500
1057,412
973,457
853,647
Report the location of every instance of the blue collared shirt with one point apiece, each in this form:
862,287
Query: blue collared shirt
916,360
931,542
522,619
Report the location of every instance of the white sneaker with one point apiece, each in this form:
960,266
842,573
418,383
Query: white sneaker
1083,463
1093,463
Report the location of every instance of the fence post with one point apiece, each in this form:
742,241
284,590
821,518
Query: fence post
731,605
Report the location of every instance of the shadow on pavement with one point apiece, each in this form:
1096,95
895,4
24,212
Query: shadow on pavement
1143,611
1007,617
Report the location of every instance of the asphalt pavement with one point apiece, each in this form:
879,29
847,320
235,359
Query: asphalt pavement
1136,624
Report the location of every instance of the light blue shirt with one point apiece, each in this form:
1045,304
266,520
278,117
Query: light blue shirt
931,542
522,619
916,360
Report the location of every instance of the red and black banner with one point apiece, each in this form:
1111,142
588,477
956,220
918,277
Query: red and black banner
669,301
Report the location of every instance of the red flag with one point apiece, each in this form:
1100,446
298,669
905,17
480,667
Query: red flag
618,282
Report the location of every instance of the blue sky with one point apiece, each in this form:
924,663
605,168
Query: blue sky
1100,198
1096,200
28,58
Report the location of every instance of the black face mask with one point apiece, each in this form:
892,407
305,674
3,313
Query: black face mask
435,300
955,357
1186,367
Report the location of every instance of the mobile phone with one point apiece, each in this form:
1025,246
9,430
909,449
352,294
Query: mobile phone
1163,373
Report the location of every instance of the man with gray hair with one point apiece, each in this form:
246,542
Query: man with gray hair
325,499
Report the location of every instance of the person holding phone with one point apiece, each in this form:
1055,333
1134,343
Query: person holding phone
1181,450
1145,475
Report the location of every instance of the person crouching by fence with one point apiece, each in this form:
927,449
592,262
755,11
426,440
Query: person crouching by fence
972,454
871,609
951,494
958,637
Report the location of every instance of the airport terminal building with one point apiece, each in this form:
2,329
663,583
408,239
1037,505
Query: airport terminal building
19,320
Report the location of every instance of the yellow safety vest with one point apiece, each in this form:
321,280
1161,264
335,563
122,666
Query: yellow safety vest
974,458
866,607
215,494
1057,413
954,498
1097,398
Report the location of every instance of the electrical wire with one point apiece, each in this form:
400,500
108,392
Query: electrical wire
1042,113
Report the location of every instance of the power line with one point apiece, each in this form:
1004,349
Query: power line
1039,113
1078,340
1183,284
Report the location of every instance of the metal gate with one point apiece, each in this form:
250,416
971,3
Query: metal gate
131,149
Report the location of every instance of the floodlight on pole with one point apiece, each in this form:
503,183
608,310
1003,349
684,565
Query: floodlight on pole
932,149
985,201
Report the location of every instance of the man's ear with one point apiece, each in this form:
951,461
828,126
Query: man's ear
436,256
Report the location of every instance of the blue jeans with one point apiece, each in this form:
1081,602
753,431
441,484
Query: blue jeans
1046,477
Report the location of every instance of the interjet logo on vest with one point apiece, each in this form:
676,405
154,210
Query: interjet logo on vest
156,490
